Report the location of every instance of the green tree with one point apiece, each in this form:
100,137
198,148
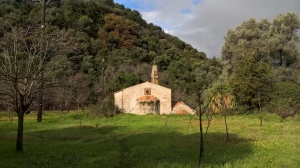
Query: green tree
251,32
284,96
253,48
251,77
85,23
181,73
162,61
283,40
117,32
137,17
108,2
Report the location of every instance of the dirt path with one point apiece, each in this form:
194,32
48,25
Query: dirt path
124,152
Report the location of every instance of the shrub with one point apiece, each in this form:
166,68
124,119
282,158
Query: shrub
285,99
106,108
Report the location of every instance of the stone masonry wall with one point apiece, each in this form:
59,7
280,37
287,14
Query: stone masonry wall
126,99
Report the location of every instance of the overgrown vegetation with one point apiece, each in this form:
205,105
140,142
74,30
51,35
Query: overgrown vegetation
104,108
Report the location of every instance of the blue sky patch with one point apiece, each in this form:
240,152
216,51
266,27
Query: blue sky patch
128,4
186,11
135,5
196,2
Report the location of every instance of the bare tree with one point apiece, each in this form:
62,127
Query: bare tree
22,61
40,95
5,101
80,90
202,109
64,97
203,81
73,90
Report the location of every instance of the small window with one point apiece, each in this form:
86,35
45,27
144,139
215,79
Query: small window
147,91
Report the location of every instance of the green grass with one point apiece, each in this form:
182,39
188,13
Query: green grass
149,141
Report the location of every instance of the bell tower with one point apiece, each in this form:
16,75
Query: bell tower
154,75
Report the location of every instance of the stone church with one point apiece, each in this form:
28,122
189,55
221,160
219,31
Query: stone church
146,98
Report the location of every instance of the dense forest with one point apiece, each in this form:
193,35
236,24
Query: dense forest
90,49
115,48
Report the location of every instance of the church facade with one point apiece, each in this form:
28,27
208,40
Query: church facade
144,98
148,98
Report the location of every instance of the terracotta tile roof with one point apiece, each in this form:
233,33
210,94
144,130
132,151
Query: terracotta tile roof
177,104
147,98
182,112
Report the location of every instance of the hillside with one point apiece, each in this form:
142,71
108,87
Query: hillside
115,47
94,48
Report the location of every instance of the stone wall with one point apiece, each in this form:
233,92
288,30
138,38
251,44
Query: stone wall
127,99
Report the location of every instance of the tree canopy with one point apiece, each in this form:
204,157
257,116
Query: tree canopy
258,54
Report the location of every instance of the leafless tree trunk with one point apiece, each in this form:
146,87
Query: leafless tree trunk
201,112
260,112
227,136
21,67
41,89
224,112
40,95
19,142
201,150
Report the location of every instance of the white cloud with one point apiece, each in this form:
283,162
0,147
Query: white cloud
151,16
204,25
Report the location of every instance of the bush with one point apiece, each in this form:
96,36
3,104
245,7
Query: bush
285,99
105,108
241,109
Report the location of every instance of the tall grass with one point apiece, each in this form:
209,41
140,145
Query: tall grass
75,140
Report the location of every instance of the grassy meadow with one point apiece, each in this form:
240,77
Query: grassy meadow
75,140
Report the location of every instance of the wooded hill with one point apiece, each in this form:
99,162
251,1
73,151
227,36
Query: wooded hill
93,48
115,48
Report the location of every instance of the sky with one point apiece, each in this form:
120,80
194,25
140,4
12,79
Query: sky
204,23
